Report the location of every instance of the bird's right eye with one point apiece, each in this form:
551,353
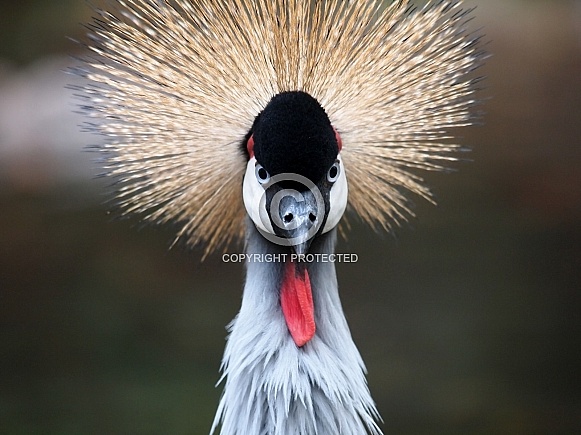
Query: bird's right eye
333,173
262,174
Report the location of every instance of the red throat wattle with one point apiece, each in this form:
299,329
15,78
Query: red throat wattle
296,300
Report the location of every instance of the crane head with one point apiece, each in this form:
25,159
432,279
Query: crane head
167,78
295,186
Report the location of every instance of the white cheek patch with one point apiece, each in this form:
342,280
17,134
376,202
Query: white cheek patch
254,197
337,199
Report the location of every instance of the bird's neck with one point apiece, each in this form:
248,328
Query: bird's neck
272,385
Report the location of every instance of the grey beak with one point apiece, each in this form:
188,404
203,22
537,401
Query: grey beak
301,249
297,219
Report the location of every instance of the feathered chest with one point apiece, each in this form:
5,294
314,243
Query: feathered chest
317,388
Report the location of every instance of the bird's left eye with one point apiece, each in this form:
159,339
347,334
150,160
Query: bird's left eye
262,174
334,172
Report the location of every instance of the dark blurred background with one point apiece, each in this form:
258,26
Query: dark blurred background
469,317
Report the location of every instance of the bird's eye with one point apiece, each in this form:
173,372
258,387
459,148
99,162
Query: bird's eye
262,174
333,173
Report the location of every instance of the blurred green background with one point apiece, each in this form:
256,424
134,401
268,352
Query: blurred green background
468,317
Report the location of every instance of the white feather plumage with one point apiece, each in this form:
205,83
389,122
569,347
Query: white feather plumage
273,387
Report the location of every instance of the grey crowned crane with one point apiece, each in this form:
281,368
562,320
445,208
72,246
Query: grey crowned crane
253,119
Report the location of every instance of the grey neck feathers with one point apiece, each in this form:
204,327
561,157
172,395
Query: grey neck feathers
274,387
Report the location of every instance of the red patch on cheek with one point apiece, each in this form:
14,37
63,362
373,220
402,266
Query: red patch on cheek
339,140
296,299
250,146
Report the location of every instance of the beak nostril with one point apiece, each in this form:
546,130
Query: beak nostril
288,218
312,217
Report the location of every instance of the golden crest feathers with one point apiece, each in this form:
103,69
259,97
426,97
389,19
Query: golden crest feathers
175,87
